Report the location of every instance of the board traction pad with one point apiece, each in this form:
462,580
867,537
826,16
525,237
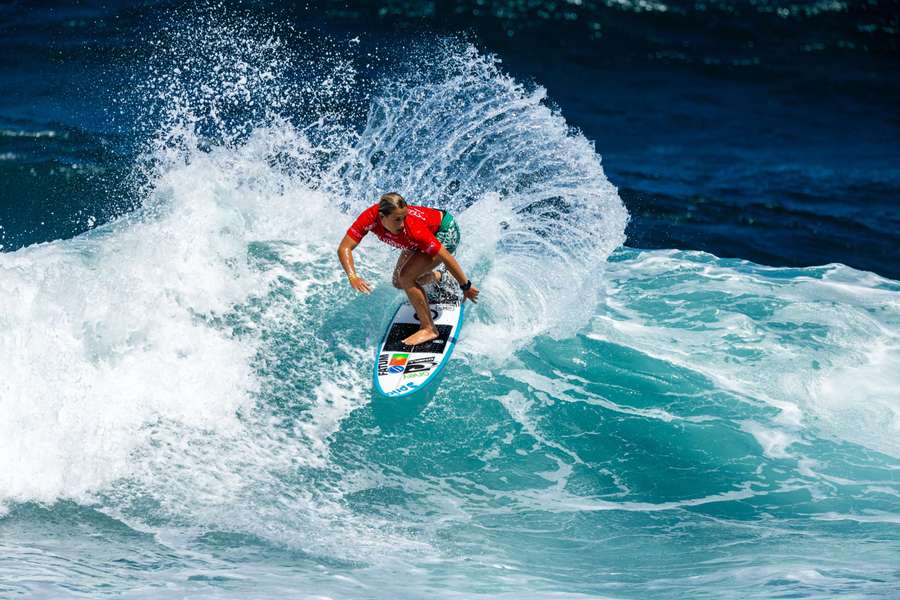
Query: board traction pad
400,331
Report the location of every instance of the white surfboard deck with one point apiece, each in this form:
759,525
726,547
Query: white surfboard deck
401,370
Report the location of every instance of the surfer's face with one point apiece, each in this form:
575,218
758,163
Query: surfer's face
394,221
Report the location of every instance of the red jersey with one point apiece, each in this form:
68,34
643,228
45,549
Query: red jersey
419,227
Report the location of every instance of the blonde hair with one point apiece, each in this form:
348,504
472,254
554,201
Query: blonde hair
390,202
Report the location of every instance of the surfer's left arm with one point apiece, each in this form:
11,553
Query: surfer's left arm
453,266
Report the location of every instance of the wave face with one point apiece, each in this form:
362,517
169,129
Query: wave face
186,392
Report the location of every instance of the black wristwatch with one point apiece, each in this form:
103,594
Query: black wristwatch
466,286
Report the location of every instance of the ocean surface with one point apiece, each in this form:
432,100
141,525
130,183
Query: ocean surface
682,379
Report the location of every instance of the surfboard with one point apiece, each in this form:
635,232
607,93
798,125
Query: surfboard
401,370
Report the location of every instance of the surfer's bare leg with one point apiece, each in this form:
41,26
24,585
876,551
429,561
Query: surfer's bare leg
432,276
410,270
428,331
424,279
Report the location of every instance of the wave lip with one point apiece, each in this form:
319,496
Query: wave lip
538,215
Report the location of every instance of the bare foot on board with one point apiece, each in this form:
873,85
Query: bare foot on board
420,337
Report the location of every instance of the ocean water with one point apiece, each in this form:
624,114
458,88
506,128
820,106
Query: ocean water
682,380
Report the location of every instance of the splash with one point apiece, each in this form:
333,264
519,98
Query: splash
190,378
539,216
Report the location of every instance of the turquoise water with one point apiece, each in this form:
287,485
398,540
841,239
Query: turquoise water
188,408
718,429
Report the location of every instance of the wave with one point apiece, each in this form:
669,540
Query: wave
199,369
187,335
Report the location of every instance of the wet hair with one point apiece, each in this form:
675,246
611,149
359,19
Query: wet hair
390,202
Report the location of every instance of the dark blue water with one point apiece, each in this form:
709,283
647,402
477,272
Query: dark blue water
681,381
755,130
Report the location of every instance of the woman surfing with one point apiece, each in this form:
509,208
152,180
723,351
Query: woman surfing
427,236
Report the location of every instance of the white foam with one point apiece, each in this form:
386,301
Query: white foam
519,408
774,443
125,378
823,348
558,500
872,517
558,388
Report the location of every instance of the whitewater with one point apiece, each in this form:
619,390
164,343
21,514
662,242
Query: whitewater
186,399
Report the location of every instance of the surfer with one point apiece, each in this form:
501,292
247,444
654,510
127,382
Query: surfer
427,236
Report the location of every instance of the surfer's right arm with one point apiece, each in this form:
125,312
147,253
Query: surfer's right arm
345,255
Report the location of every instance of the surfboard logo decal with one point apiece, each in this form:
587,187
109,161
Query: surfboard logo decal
415,374
398,360
420,364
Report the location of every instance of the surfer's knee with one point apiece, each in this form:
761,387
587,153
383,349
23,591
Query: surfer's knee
401,282
398,275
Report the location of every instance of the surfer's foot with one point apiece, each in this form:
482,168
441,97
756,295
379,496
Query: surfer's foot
421,336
